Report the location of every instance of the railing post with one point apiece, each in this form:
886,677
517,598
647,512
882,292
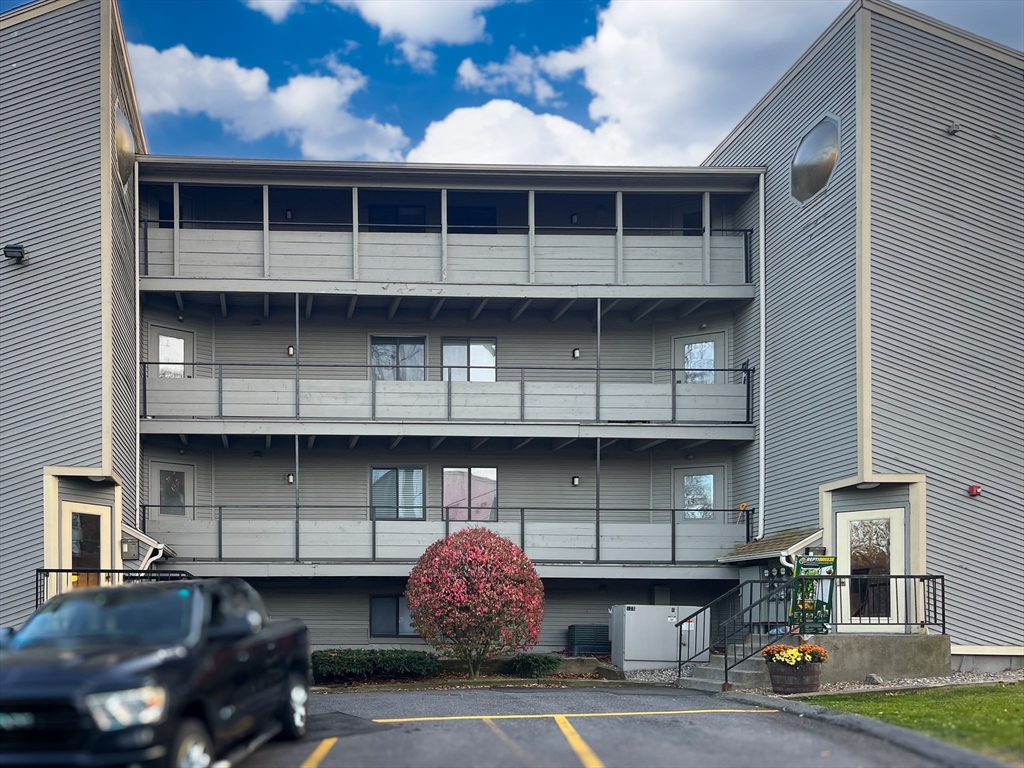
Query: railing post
522,529
298,355
597,375
373,396
447,521
522,394
220,534
142,386
449,377
145,246
750,392
373,535
673,537
220,390
672,382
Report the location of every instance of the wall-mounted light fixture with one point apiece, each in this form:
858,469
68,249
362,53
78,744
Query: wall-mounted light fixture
953,128
291,350
575,480
575,218
257,323
290,478
867,486
257,454
288,213
576,353
181,318
16,252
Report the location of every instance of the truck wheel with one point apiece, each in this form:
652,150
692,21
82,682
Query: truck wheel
293,708
192,746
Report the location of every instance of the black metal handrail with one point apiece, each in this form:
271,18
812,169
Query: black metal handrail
445,373
104,577
521,517
760,612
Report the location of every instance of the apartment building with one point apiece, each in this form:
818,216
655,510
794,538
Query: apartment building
654,380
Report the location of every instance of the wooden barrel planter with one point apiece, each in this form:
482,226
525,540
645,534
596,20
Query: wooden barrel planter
787,679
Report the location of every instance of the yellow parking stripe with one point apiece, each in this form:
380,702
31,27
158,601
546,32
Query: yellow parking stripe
523,754
579,746
573,714
319,753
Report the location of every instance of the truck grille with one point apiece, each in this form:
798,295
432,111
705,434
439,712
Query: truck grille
41,725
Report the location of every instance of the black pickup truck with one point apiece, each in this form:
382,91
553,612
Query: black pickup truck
178,674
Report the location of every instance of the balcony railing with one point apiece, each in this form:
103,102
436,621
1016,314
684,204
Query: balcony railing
423,253
428,393
55,581
324,533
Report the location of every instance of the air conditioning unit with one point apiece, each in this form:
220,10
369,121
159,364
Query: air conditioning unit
646,636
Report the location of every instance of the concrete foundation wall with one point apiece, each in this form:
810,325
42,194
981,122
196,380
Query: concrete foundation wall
970,662
853,657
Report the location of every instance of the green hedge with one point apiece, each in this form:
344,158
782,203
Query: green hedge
346,665
534,665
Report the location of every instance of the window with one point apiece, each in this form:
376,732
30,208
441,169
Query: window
171,488
390,617
396,493
697,355
698,492
469,359
700,359
398,359
170,349
470,493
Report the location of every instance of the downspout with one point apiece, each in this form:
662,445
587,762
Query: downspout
150,559
761,367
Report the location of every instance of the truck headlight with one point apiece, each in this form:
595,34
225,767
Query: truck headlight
122,709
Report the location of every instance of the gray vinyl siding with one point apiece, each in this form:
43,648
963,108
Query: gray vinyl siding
124,413
947,311
50,357
85,491
811,406
337,611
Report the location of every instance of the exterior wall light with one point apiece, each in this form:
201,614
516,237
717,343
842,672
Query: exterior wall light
867,486
576,353
257,454
575,480
575,219
16,252
290,478
291,350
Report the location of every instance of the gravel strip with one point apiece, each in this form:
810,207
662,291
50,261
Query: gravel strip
666,675
954,678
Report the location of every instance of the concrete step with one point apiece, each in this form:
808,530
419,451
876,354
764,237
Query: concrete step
696,684
744,678
753,664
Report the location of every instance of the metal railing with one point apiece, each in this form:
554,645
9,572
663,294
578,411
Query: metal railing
758,613
344,533
51,582
456,401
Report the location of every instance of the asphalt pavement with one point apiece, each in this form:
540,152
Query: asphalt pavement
570,727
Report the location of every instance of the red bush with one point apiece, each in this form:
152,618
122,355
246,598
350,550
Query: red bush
474,595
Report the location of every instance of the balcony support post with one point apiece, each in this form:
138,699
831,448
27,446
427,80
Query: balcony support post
618,237
522,529
672,383
673,537
706,220
142,387
531,221
220,390
444,235
220,534
597,503
355,238
298,354
597,388
296,498
522,394
266,230
177,232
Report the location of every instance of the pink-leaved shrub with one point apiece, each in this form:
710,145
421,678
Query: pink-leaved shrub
475,595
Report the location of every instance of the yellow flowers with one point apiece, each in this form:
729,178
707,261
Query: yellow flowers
795,656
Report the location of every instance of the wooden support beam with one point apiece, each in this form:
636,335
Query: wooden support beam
606,307
395,303
474,313
476,442
691,307
435,308
184,439
561,309
351,307
609,441
559,443
309,442
223,305
517,444
352,441
395,441
180,301
309,305
269,440
224,440
647,444
518,309
641,312
436,441
691,444
266,305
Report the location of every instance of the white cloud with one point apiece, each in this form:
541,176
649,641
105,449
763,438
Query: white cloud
415,25
310,110
523,74
667,81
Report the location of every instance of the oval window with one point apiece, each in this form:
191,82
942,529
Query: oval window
815,159
124,143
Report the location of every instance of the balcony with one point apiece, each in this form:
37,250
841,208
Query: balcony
325,534
484,237
316,392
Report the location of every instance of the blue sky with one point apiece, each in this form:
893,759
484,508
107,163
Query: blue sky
535,81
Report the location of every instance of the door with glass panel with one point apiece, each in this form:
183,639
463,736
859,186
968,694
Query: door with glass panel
172,490
85,543
397,493
697,492
870,548
696,358
170,351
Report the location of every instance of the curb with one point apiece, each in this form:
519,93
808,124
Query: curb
463,684
939,752
897,688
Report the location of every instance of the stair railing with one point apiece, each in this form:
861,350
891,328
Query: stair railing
758,624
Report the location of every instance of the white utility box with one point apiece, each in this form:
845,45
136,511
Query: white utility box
646,637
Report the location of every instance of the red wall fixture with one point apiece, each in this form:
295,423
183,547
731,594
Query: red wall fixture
974,490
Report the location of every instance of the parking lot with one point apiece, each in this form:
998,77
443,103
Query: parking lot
540,727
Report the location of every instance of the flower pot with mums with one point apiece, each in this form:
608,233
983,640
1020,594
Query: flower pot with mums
795,669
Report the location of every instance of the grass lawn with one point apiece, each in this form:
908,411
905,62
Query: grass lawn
985,718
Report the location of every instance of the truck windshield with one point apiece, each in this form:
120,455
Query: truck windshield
137,615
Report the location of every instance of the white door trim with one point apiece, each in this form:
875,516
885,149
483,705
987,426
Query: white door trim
897,560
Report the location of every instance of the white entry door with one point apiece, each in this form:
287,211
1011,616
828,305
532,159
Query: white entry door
870,548
695,359
170,351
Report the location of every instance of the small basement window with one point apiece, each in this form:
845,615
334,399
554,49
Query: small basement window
390,617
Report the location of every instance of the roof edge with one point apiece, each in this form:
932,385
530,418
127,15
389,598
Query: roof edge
804,542
31,10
